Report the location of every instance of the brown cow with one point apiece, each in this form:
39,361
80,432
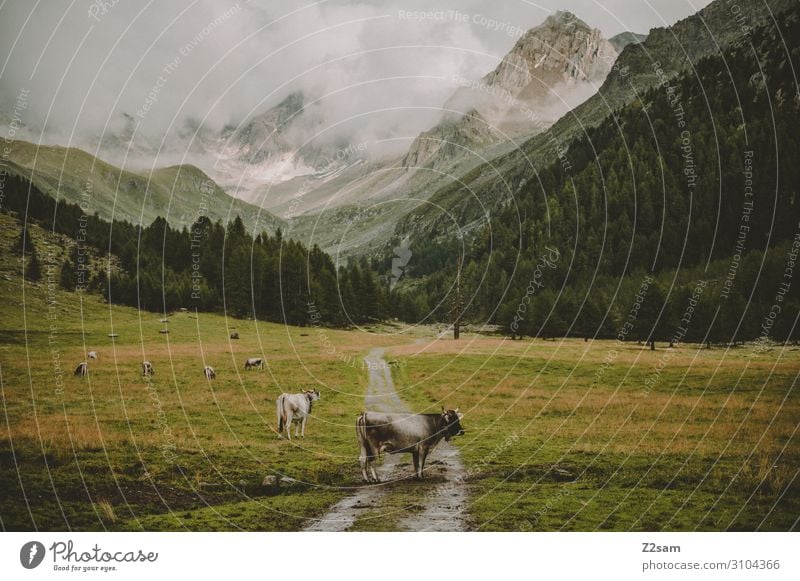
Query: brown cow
395,433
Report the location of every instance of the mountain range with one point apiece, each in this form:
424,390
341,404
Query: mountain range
333,193
559,79
674,49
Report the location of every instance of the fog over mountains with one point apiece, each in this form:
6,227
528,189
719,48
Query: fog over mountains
315,113
552,68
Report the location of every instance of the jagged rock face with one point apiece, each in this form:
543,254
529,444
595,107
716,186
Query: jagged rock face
562,49
551,69
263,137
450,138
270,148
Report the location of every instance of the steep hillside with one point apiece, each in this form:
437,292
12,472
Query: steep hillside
689,192
179,193
210,267
623,39
553,67
270,149
676,48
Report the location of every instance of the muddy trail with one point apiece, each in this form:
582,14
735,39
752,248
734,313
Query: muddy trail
442,497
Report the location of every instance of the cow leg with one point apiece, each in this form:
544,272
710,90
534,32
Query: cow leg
372,457
303,426
423,455
289,425
415,458
365,459
362,460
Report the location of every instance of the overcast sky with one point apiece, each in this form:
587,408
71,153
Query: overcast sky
85,63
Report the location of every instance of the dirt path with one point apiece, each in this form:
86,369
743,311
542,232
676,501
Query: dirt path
444,495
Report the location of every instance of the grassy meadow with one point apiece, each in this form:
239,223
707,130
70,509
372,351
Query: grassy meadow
181,451
583,436
112,451
561,435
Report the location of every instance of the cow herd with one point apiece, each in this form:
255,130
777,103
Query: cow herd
392,433
82,370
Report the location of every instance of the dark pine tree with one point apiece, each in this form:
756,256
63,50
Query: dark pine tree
20,243
33,272
67,277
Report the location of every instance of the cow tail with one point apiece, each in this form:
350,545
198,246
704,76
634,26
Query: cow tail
281,417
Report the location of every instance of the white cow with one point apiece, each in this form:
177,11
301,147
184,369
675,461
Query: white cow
147,369
92,354
209,372
295,408
254,363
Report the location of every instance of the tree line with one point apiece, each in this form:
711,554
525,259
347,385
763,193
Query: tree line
210,267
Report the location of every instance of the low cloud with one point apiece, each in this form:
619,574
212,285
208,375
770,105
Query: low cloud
114,67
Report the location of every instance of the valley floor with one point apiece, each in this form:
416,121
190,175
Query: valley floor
560,435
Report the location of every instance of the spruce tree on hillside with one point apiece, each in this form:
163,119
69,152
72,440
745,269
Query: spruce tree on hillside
20,243
652,314
67,276
33,271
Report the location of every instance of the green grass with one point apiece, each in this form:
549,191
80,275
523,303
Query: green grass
75,450
712,447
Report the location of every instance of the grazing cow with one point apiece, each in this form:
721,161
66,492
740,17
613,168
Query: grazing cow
209,372
82,369
147,369
416,434
254,363
92,354
295,408
235,335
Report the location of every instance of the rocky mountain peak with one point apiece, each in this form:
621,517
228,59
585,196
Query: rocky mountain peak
552,68
561,49
261,137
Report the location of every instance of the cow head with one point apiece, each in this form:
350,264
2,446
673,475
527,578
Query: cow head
452,423
312,394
